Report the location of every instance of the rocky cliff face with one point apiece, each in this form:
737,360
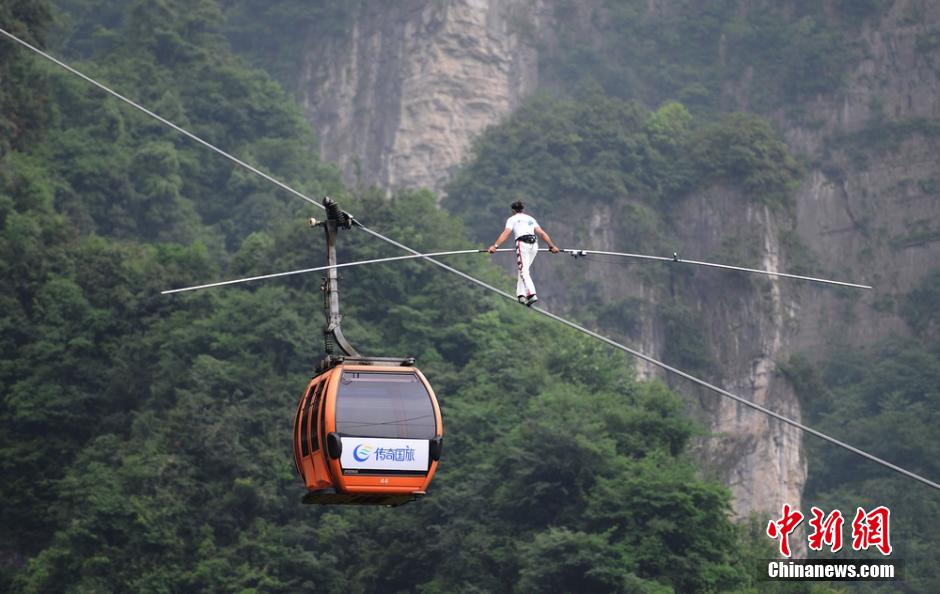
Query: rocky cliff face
747,324
870,205
400,102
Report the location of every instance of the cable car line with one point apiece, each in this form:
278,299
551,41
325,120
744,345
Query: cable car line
489,287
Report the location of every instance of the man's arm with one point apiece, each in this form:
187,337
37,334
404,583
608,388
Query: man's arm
551,244
502,237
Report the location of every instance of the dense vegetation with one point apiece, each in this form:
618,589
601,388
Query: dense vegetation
273,34
567,156
884,400
143,439
705,53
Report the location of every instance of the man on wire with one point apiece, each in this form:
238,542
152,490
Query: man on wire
524,228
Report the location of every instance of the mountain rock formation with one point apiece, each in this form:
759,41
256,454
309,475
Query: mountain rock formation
398,103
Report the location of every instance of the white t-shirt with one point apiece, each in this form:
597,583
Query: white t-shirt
521,224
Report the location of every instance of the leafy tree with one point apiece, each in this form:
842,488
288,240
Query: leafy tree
563,156
744,149
711,56
22,106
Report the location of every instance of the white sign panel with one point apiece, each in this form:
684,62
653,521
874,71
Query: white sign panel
372,453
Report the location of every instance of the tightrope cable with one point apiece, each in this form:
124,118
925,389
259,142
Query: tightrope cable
318,268
578,253
675,258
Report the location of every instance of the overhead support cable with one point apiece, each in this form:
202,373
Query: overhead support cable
489,287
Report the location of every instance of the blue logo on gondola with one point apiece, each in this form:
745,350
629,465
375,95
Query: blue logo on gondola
361,452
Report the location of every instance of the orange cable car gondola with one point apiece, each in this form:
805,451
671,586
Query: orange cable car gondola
368,430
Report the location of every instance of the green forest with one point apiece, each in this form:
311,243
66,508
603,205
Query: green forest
145,439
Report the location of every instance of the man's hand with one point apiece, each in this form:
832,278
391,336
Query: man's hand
492,249
554,249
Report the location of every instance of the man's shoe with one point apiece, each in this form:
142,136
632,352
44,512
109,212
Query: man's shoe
532,299
522,299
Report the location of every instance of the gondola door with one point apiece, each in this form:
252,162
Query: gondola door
321,474
308,443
